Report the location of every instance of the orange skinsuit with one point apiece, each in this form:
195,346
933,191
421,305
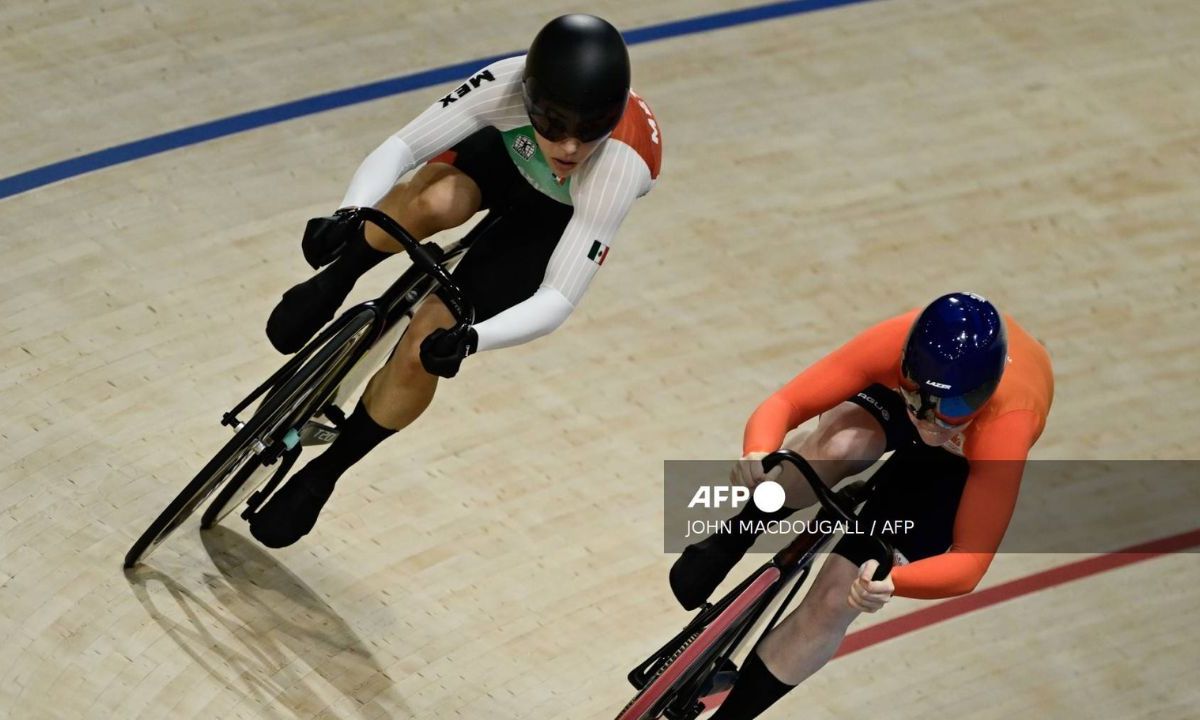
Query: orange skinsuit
1007,427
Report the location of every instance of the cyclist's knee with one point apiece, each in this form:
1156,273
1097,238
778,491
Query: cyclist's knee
827,601
438,197
829,444
429,317
823,613
847,438
449,200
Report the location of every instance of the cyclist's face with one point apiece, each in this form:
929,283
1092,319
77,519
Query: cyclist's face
931,433
566,155
935,430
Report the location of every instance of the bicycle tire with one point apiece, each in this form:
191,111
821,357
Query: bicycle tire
324,362
223,464
649,703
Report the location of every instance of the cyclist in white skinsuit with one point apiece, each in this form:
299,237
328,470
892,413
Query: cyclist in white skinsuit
557,147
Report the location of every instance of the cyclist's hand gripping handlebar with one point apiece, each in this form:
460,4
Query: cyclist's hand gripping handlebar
828,501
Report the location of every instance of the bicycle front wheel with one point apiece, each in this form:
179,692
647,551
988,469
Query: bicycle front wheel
250,440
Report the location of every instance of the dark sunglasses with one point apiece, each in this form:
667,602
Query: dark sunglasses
556,124
947,413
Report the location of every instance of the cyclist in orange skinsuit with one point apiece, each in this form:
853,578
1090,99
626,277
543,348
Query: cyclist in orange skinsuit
960,396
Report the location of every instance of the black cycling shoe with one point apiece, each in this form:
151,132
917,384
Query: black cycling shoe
292,511
302,311
700,569
325,238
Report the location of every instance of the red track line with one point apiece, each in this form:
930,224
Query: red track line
1015,588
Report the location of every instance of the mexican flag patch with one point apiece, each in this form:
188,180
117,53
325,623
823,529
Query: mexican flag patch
598,252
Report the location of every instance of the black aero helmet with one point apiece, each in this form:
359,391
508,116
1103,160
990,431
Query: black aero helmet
576,80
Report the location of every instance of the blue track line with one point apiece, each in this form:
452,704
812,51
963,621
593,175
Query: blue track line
72,167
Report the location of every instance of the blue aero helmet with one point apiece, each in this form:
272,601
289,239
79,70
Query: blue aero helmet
953,359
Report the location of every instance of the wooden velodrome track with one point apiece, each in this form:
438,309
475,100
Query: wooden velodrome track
503,558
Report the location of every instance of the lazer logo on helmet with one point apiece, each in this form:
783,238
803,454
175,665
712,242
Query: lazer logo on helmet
465,88
941,386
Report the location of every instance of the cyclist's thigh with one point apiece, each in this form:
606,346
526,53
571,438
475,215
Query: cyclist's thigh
482,157
918,484
438,197
507,262
846,441
887,407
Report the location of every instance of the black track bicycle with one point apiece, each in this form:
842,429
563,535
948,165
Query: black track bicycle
303,402
693,671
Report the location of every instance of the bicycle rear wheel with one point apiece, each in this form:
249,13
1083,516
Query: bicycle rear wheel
698,651
250,440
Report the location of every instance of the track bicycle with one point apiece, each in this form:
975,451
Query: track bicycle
693,672
303,402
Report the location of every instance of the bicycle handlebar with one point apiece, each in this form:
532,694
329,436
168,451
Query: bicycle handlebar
449,291
828,501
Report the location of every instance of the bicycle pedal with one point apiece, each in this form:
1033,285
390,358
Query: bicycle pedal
257,498
721,679
251,508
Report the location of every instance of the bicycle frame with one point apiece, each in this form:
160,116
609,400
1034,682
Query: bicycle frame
427,273
278,427
803,549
